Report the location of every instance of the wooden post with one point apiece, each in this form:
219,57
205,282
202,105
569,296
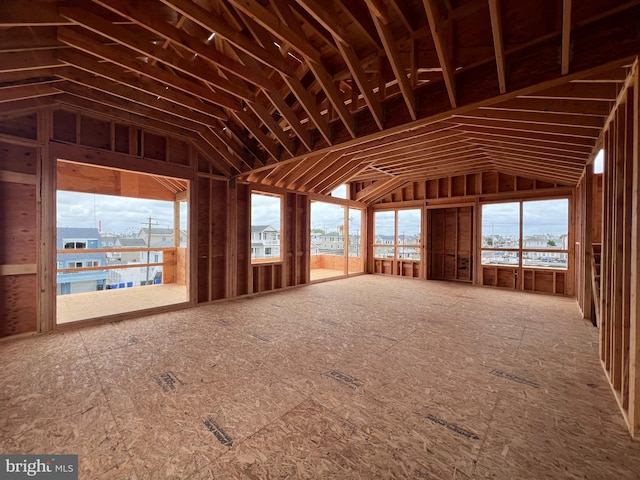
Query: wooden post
46,172
587,241
634,347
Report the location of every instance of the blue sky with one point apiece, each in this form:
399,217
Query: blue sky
118,214
122,214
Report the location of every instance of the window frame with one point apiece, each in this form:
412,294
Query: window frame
280,235
521,249
395,243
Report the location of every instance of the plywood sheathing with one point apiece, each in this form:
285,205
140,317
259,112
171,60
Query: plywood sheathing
366,377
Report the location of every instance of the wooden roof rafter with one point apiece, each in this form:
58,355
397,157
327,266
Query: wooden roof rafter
379,15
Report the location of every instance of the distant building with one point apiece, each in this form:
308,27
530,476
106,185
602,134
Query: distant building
161,237
128,257
83,240
332,243
265,242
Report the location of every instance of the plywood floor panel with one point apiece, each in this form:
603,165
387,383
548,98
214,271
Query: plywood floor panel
364,377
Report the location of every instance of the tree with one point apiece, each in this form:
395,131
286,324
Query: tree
551,243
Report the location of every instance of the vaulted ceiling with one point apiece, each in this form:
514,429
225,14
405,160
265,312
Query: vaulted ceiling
308,95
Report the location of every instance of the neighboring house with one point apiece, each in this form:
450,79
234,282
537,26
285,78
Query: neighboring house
136,276
265,242
83,240
162,236
547,243
128,257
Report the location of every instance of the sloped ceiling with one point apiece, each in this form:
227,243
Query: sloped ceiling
309,95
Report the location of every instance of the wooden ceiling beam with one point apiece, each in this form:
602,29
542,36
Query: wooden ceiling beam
550,165
215,24
566,37
245,146
128,61
337,177
563,174
498,43
143,84
321,163
568,132
26,61
532,172
283,174
127,93
378,14
295,86
560,106
263,114
271,23
528,135
543,158
432,137
24,92
147,19
328,19
123,36
539,150
360,78
20,107
361,19
16,14
605,92
112,100
264,140
172,125
443,49
406,16
325,16
367,194
303,134
319,71
543,118
118,114
579,151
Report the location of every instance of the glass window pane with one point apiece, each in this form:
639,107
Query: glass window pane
499,257
501,225
265,227
544,259
384,224
546,224
409,234
384,252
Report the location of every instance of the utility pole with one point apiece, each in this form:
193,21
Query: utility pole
148,247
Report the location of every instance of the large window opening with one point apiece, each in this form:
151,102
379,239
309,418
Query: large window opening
109,245
266,217
335,240
526,234
397,242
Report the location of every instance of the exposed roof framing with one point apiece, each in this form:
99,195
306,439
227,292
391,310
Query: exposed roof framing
306,94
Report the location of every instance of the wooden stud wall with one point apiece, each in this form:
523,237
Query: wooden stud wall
619,302
446,249
30,144
450,243
19,158
456,188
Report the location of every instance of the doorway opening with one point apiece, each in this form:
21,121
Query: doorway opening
335,241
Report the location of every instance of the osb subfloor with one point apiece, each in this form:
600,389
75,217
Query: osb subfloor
365,377
81,306
322,273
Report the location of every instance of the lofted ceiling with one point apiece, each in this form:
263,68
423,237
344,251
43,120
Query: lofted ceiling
309,95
